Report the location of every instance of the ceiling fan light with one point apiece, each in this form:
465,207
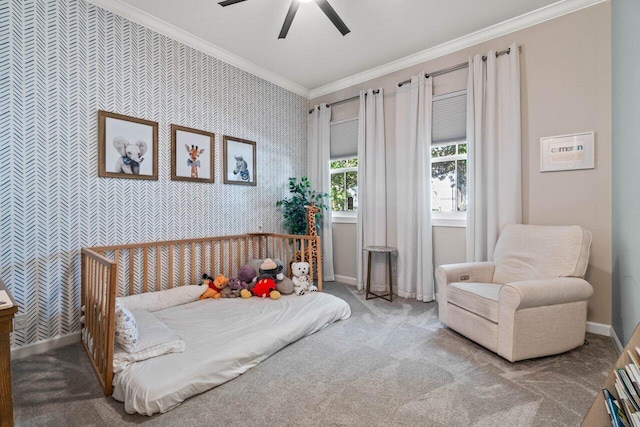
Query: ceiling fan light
305,1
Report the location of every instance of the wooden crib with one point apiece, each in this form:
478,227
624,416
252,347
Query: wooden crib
121,270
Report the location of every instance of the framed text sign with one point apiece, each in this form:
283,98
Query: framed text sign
567,152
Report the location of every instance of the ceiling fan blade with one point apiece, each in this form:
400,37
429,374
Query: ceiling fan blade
229,2
333,16
289,18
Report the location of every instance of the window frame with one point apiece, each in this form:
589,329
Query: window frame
343,217
448,219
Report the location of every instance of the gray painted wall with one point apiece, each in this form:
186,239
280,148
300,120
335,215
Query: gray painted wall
626,174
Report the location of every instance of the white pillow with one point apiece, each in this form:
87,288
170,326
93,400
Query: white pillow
126,329
154,339
159,300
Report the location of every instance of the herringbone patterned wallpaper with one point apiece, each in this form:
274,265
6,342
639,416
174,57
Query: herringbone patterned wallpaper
60,62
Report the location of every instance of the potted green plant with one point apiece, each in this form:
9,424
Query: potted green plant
293,208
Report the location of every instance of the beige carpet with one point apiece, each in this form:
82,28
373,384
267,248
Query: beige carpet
390,364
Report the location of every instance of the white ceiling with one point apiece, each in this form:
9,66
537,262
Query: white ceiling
315,54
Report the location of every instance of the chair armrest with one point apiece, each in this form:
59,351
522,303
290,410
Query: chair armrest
480,272
544,292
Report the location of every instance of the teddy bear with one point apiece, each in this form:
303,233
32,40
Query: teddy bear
214,286
301,280
264,287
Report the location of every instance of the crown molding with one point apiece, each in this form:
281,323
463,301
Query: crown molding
143,18
555,10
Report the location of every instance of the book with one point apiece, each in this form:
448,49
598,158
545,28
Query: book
633,359
5,301
615,412
632,376
625,381
624,398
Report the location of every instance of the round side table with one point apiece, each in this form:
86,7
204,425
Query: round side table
389,250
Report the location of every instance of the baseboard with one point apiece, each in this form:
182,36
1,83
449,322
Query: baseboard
346,279
616,340
599,329
607,331
46,345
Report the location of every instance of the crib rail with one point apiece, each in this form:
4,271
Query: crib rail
121,270
99,285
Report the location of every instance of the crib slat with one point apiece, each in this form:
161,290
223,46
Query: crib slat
213,255
131,284
238,257
193,263
221,253
145,269
319,277
170,266
203,267
158,268
116,259
181,280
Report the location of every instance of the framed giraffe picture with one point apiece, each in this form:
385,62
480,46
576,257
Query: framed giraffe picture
192,154
127,147
239,161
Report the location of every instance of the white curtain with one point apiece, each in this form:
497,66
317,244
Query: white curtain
413,182
494,190
372,179
318,149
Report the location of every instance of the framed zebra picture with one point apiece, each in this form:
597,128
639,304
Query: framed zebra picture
239,161
192,153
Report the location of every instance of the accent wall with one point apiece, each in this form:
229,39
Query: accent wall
60,62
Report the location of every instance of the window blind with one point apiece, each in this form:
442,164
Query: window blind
344,139
449,117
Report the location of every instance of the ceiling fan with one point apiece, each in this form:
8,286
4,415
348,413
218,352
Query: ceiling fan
322,4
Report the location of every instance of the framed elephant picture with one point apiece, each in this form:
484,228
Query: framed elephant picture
192,154
239,161
127,147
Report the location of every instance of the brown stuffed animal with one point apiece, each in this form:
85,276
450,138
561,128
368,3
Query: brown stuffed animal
215,286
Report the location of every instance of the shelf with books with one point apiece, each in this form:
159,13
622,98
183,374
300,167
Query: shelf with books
598,414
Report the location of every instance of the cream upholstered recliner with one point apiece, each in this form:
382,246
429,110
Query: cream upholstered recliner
531,301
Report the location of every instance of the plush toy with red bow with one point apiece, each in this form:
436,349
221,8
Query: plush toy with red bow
264,287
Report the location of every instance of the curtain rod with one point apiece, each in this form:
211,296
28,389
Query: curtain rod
455,67
375,92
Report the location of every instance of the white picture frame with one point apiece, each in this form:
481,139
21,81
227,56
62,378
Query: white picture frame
567,152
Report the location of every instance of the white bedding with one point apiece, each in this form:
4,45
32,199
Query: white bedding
224,338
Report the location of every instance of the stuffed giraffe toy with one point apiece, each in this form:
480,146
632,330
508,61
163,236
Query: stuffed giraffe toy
193,161
312,250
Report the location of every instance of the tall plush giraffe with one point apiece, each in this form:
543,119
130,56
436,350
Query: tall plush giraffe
312,250
193,161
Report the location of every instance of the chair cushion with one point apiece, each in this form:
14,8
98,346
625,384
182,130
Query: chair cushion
478,298
529,252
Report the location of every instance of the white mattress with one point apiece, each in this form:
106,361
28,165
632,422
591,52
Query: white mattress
224,338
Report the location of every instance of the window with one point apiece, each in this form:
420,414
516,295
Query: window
344,170
344,185
449,177
449,159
